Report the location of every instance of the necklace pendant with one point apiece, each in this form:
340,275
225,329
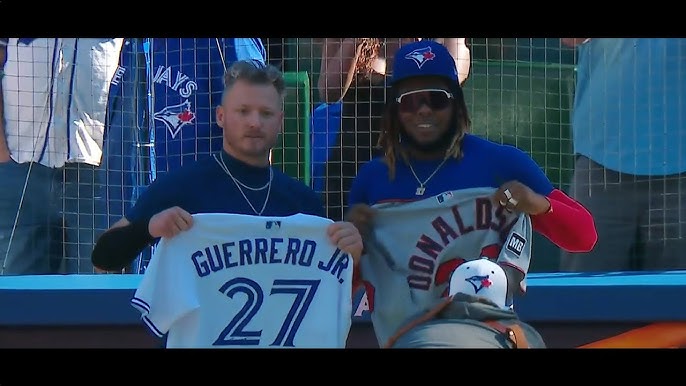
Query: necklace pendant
420,191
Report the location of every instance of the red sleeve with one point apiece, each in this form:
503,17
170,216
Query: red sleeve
568,225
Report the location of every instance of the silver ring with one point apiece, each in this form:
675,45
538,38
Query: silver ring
513,201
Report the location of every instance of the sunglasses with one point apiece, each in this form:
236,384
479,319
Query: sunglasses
436,99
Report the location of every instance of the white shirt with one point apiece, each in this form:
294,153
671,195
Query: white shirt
239,281
55,93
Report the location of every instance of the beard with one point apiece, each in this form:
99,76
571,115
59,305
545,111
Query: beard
439,144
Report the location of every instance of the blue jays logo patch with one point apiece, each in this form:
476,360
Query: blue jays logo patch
479,282
421,56
175,117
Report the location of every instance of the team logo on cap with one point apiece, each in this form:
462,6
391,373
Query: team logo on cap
421,56
479,282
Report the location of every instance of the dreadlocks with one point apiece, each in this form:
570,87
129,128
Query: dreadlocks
389,140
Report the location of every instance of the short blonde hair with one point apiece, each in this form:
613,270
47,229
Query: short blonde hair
254,72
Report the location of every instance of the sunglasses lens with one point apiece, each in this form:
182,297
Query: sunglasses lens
436,100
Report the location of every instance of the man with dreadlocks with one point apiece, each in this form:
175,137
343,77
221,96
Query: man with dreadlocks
439,197
354,74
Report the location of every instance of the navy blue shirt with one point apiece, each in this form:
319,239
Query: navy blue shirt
204,187
484,164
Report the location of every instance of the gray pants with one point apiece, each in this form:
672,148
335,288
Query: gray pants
462,333
50,220
641,221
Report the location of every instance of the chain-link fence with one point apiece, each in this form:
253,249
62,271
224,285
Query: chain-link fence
157,114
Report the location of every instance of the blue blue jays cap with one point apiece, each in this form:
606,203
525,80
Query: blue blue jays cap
423,58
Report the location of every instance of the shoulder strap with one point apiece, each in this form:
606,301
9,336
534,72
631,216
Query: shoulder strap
514,333
415,322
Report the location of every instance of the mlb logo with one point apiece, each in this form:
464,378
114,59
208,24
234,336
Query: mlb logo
273,225
516,244
441,198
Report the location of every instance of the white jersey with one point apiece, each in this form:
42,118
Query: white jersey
417,245
55,93
239,281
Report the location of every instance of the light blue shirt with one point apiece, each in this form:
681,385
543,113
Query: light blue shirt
630,105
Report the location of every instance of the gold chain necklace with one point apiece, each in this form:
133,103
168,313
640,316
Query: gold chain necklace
422,185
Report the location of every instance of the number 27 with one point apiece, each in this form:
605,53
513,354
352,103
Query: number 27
235,334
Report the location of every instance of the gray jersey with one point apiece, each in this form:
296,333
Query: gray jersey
415,246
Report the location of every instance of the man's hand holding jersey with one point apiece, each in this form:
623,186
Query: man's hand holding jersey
362,216
170,222
346,237
515,196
